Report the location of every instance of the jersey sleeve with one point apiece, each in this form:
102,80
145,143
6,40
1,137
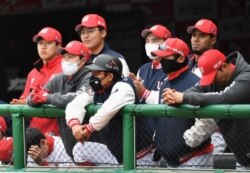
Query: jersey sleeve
122,94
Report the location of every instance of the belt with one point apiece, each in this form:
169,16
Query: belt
208,149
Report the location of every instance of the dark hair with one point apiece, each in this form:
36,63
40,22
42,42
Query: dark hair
33,137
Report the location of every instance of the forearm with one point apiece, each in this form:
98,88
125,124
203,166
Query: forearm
75,110
112,105
59,100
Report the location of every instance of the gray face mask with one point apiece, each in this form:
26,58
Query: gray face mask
149,47
69,68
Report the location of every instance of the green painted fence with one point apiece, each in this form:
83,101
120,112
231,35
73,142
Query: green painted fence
18,112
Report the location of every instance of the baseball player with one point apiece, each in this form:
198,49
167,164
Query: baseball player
169,139
203,37
224,81
6,150
151,75
93,32
48,41
6,144
49,151
3,127
114,92
65,86
45,150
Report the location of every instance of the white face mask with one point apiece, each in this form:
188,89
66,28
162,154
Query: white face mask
69,68
149,47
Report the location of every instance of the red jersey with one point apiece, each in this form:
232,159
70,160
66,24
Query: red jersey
40,75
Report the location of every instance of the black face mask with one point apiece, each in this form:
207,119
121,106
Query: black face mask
95,83
170,65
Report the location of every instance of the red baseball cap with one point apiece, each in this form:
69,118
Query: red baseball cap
91,21
3,125
208,63
76,48
157,30
204,25
172,46
48,34
6,149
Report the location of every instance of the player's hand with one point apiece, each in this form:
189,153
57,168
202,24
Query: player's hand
168,96
171,96
86,132
138,84
35,153
39,97
18,101
77,131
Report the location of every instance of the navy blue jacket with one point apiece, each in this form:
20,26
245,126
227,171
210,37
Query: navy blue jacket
169,139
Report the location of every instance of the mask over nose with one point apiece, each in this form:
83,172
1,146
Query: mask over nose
171,65
95,83
69,68
149,47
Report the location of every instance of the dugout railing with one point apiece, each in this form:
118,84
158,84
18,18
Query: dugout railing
19,112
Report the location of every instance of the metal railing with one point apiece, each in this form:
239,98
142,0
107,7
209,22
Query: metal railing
19,112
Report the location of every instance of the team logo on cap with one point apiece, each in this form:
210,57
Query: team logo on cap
217,64
70,44
100,23
44,30
154,28
112,64
165,47
85,18
200,22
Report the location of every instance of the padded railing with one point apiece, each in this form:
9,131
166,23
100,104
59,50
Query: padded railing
18,112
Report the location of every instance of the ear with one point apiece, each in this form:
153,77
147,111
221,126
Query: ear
103,33
181,59
213,40
58,46
224,66
111,76
43,142
82,61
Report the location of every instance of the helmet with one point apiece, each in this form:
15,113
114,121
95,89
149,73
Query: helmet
108,63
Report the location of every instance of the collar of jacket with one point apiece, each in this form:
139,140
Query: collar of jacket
53,62
175,74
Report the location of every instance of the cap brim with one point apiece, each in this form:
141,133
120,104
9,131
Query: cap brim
36,38
145,32
207,79
162,53
190,29
94,67
60,50
78,28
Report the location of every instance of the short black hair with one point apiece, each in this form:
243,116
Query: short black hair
33,137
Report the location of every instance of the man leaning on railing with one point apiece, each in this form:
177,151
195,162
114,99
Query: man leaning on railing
225,80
